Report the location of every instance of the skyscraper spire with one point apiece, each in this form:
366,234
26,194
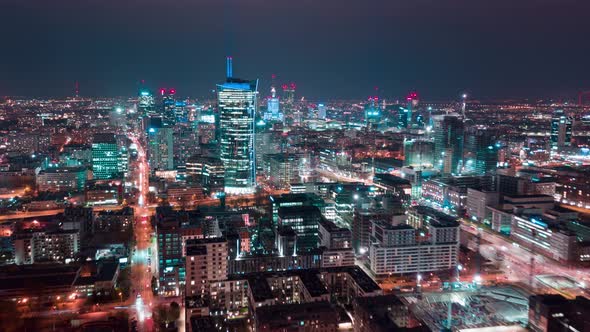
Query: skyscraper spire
229,67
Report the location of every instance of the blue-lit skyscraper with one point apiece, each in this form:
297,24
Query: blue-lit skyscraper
168,106
321,111
273,111
105,157
236,101
145,103
372,112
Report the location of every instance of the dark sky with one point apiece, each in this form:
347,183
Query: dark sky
330,48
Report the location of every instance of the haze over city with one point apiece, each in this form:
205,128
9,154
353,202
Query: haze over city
332,49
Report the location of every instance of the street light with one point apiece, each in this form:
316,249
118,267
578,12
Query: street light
477,279
121,296
459,269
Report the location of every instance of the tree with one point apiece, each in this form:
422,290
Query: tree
175,310
124,282
167,314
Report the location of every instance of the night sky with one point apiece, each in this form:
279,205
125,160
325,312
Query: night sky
330,48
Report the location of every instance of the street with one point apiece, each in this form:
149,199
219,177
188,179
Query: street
142,261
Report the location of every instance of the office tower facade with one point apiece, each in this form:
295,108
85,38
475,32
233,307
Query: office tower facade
207,171
412,102
170,263
337,244
418,153
401,249
206,263
160,145
372,112
561,130
289,93
236,100
146,103
62,179
168,106
283,169
273,110
321,111
304,220
481,151
448,143
105,157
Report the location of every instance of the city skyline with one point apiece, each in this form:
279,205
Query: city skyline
362,166
496,51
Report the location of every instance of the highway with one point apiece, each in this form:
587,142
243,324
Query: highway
31,214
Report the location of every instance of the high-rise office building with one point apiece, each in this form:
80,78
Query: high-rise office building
412,100
372,112
105,157
273,111
168,106
289,93
418,153
561,130
207,171
237,107
145,103
481,151
321,111
304,220
448,143
160,145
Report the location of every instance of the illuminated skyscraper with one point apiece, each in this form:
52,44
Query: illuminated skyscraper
105,157
289,92
236,100
561,130
145,103
481,151
372,112
273,112
418,153
412,100
160,145
321,111
168,106
448,143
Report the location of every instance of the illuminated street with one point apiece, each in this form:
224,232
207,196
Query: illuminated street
273,166
142,261
516,263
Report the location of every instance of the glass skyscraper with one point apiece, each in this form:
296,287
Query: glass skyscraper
105,157
236,100
448,143
481,151
160,145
